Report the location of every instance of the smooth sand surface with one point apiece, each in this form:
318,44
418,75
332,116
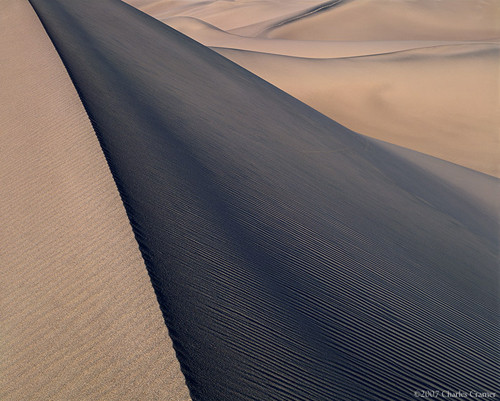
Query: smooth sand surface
214,37
443,100
79,319
226,15
293,258
438,93
395,20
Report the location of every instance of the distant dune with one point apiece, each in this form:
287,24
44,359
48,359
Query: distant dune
441,97
215,38
441,100
394,20
292,258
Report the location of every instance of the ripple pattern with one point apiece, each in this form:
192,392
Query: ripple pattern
292,258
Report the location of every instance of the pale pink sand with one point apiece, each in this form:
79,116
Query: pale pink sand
397,20
211,36
78,316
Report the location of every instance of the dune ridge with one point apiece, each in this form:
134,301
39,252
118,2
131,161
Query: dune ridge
292,258
78,316
417,109
216,39
392,102
403,20
322,7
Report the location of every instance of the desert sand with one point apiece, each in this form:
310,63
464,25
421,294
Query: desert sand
79,318
289,257
293,258
420,74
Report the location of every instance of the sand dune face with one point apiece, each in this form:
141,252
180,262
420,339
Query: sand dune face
78,316
395,20
292,258
388,96
438,94
226,15
215,38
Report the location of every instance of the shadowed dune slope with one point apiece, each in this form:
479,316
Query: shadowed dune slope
440,100
292,258
430,83
78,315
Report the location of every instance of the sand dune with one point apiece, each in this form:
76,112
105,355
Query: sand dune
292,258
442,98
226,15
442,101
78,316
341,20
214,37
396,20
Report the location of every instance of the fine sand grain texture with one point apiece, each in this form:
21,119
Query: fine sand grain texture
78,316
293,259
421,74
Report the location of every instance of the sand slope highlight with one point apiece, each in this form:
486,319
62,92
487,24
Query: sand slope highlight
387,96
78,316
432,99
292,258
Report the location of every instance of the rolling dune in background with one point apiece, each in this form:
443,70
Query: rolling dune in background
292,258
390,20
431,83
216,38
78,317
442,100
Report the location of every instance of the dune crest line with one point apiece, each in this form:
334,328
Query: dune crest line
438,95
79,320
292,258
306,13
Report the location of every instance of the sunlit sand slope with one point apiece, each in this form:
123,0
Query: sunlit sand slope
78,315
292,258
